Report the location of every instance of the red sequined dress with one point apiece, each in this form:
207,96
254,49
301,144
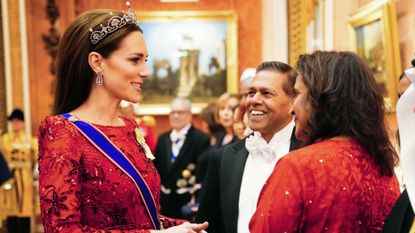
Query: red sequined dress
330,186
82,191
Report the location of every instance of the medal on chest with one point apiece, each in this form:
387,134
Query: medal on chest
140,139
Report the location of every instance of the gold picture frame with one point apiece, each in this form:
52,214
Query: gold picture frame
192,54
374,37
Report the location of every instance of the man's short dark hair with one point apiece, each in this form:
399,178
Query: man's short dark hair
283,68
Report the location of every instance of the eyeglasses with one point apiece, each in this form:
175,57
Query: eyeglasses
178,112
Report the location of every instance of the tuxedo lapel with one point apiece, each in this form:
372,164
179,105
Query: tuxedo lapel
232,167
231,171
164,156
183,151
400,217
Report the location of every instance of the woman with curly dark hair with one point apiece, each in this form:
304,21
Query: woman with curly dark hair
344,180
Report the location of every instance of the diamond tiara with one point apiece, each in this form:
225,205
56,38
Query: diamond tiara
114,23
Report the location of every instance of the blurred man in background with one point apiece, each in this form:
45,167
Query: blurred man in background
177,153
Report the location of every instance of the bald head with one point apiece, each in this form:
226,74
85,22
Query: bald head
185,103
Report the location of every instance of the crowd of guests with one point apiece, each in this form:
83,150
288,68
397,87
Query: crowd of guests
303,149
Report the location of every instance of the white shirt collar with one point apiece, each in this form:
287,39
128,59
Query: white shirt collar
280,136
184,130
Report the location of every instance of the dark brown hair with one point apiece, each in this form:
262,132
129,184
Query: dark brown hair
208,115
283,68
74,74
347,101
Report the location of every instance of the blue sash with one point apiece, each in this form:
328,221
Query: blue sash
103,144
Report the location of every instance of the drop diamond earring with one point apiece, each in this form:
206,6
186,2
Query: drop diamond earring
100,78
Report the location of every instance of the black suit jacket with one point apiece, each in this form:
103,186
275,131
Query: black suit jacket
401,216
220,195
195,144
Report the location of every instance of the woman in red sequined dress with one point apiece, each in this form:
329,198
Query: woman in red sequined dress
344,181
102,60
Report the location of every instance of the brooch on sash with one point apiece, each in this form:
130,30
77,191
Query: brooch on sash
140,139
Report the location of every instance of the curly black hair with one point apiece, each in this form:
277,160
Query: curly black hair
347,101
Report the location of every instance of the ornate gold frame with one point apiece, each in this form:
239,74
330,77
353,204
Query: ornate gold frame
383,10
231,49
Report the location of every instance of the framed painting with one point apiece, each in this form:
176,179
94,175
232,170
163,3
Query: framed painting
191,54
374,37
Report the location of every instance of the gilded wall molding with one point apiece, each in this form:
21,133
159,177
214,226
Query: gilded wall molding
300,13
15,54
296,30
12,55
3,106
51,39
15,58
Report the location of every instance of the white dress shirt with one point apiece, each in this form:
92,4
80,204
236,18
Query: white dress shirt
177,139
259,165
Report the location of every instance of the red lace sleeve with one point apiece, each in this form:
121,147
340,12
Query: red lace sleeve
170,222
60,181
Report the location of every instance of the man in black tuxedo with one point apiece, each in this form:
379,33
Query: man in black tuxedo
177,153
236,173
